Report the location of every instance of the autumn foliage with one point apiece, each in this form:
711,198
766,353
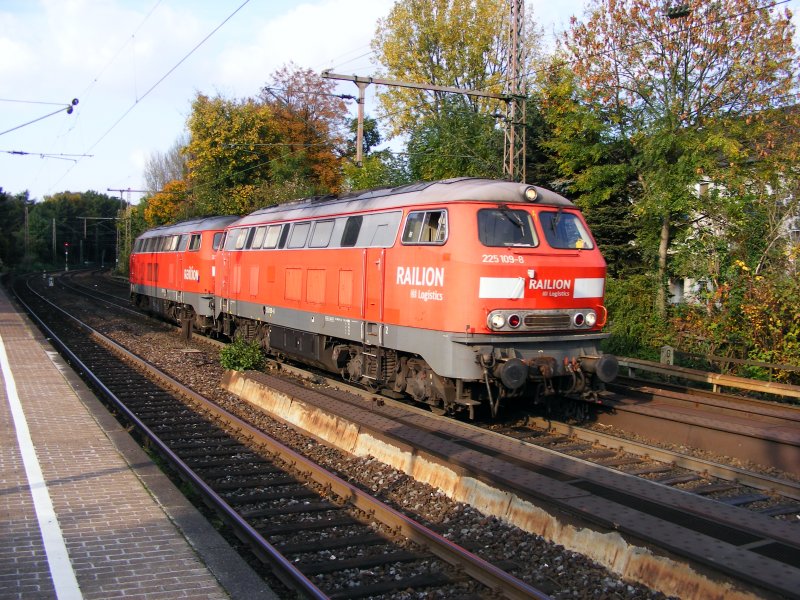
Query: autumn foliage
242,153
752,317
167,205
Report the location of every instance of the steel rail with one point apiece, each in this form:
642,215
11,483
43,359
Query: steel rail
785,487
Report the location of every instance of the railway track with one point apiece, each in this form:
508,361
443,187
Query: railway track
757,431
323,537
710,524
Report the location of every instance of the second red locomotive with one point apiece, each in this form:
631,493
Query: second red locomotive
458,293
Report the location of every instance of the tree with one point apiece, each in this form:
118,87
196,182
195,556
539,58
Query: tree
310,121
371,136
459,142
245,154
380,168
231,148
458,43
581,156
169,205
12,221
454,43
83,220
160,168
685,94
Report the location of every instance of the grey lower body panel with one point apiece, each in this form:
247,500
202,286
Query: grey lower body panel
449,354
202,304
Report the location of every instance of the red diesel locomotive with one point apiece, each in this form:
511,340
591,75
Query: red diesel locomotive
457,293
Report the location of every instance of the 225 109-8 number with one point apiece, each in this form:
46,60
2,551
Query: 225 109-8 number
505,259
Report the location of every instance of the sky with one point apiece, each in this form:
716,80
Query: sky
134,67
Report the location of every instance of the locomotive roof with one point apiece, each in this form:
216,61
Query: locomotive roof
191,225
463,189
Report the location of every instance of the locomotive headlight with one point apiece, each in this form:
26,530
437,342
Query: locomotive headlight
591,318
530,194
496,321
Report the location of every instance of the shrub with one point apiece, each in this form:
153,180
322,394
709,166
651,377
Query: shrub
242,355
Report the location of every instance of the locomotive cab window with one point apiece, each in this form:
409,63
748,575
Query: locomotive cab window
218,237
501,227
426,227
565,230
194,243
183,243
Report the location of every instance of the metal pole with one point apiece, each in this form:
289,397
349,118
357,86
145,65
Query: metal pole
362,86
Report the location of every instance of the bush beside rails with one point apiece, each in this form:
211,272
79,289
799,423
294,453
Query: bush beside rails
241,355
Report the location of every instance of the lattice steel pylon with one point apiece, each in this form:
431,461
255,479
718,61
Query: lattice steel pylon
514,152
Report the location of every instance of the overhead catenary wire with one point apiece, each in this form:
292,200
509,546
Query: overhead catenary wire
167,74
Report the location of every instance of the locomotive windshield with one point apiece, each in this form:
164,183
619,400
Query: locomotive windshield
565,230
506,227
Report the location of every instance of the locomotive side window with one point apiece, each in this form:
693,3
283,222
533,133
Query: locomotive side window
242,238
426,227
351,229
500,227
380,230
249,240
218,240
321,236
194,243
272,237
182,243
565,230
284,236
299,234
258,239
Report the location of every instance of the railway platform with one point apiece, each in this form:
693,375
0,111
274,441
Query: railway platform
84,512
